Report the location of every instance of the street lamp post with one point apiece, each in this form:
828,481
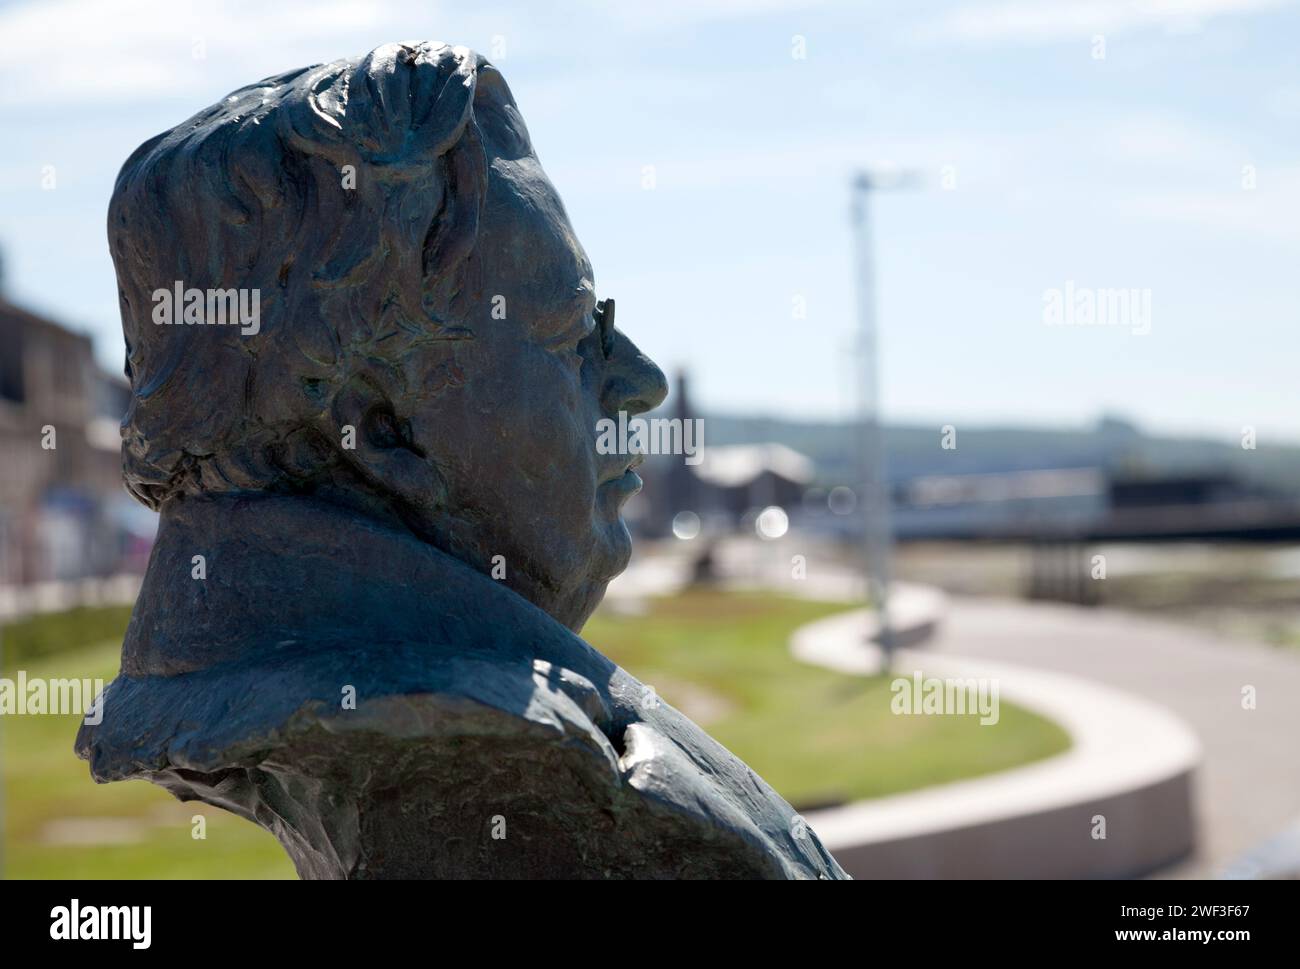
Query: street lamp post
877,531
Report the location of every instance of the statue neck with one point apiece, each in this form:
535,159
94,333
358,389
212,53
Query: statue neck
290,573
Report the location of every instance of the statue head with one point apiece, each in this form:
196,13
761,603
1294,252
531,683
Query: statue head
427,349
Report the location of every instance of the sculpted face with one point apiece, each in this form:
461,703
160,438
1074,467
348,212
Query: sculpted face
515,442
438,301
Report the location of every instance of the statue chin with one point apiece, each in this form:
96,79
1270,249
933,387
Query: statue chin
585,602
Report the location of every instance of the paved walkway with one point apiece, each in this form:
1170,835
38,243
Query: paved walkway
1248,788
1031,821
57,596
1249,784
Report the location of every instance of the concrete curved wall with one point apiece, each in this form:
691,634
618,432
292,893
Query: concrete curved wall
1131,763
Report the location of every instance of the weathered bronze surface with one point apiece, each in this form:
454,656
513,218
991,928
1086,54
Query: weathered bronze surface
383,516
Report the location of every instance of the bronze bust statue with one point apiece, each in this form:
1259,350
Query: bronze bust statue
383,517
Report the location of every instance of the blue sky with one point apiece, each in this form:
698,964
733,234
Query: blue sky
1122,172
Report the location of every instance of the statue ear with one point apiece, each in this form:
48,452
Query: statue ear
376,442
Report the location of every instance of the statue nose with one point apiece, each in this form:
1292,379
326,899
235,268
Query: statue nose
634,383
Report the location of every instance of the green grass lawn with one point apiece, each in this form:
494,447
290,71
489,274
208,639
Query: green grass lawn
816,736
61,824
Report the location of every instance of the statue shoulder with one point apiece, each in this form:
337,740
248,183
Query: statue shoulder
517,767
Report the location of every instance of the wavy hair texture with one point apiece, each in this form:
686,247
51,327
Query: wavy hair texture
249,193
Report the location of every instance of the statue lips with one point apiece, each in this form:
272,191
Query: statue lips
624,482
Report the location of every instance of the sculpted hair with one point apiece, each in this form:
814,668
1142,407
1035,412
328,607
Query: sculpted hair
348,194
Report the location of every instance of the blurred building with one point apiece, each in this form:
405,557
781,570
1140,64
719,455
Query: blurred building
741,478
999,504
727,486
63,511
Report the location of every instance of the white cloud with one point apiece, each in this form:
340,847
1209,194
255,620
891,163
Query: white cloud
680,13
1037,21
81,52
86,51
1267,211
1173,145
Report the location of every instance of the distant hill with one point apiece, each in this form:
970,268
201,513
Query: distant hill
1112,444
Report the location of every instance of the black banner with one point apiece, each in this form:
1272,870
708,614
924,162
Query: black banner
331,919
